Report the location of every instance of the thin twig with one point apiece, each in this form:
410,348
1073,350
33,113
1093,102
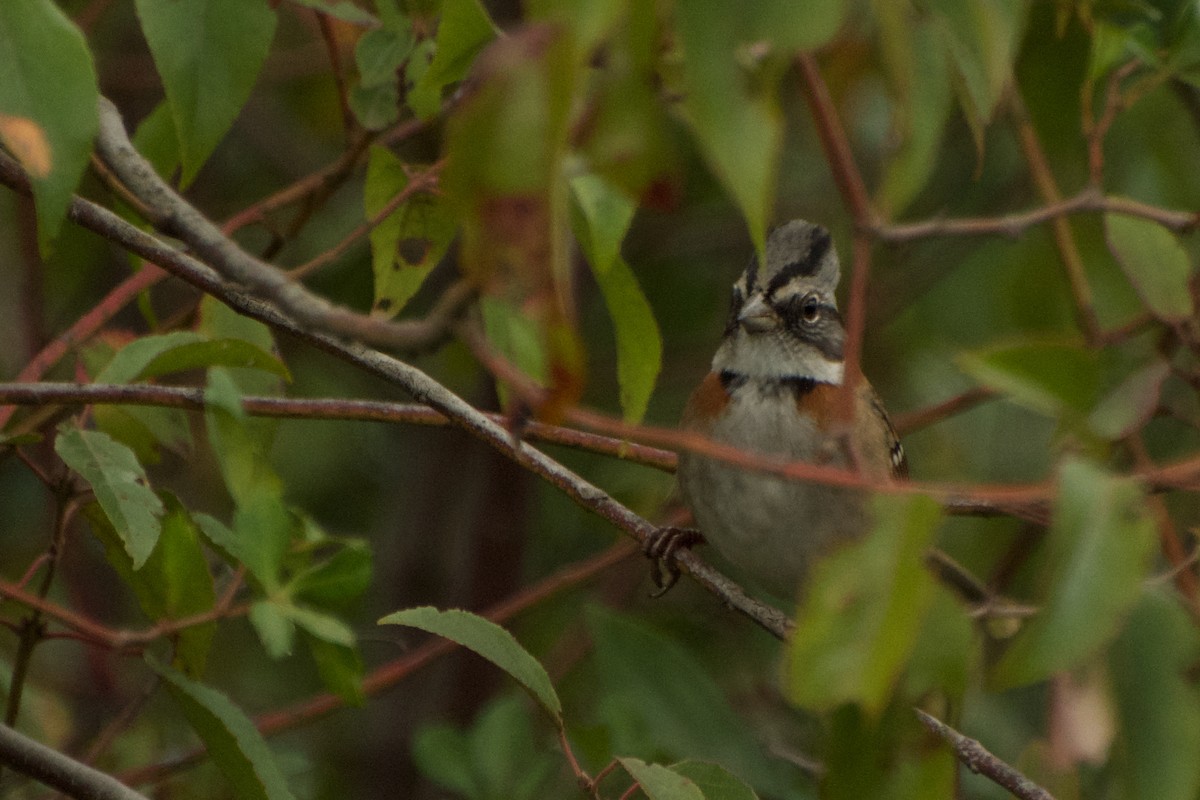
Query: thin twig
95,633
977,759
1015,224
319,408
1064,239
423,182
924,417
854,193
1170,543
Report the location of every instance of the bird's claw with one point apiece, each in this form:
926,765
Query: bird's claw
661,547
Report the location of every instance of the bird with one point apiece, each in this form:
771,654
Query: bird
774,389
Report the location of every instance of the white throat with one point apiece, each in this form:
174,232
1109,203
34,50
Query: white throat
775,357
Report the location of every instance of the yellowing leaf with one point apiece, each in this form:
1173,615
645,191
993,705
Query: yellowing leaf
48,94
26,140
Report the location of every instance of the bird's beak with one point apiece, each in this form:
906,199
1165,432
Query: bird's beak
757,317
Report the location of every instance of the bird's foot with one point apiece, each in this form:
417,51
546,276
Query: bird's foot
661,547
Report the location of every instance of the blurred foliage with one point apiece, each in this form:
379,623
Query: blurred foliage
601,171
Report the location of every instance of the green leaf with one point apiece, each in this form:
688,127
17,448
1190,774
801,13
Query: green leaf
230,738
488,640
1097,553
322,626
658,698
263,526
463,31
338,580
1050,377
48,97
509,762
214,353
508,133
1130,405
145,429
174,582
409,242
380,52
603,219
661,783
157,140
776,21
737,123
219,321
162,354
375,106
918,74
888,757
379,55
981,40
340,667
208,53
120,485
1155,263
516,337
630,137
591,23
275,630
714,781
340,9
240,454
1158,707
946,652
443,755
857,624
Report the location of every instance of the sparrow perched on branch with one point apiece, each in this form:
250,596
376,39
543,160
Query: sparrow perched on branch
775,389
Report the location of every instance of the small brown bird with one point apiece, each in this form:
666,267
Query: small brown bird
774,390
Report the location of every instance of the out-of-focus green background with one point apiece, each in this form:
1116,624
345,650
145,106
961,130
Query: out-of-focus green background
924,90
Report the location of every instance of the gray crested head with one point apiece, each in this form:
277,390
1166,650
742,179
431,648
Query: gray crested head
784,322
801,252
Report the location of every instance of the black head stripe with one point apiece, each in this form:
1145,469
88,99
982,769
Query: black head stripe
807,264
736,300
751,273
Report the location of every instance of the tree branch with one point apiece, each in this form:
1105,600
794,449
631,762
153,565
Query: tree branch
416,383
47,765
1015,224
977,759
174,216
192,399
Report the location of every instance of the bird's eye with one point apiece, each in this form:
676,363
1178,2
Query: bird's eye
810,308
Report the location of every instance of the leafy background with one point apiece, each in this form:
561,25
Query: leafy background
1019,178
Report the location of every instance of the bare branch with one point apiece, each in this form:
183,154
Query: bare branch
1013,225
1064,237
416,383
38,394
173,215
977,759
45,764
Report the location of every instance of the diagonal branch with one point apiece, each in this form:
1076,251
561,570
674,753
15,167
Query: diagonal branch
417,384
977,759
47,765
173,215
